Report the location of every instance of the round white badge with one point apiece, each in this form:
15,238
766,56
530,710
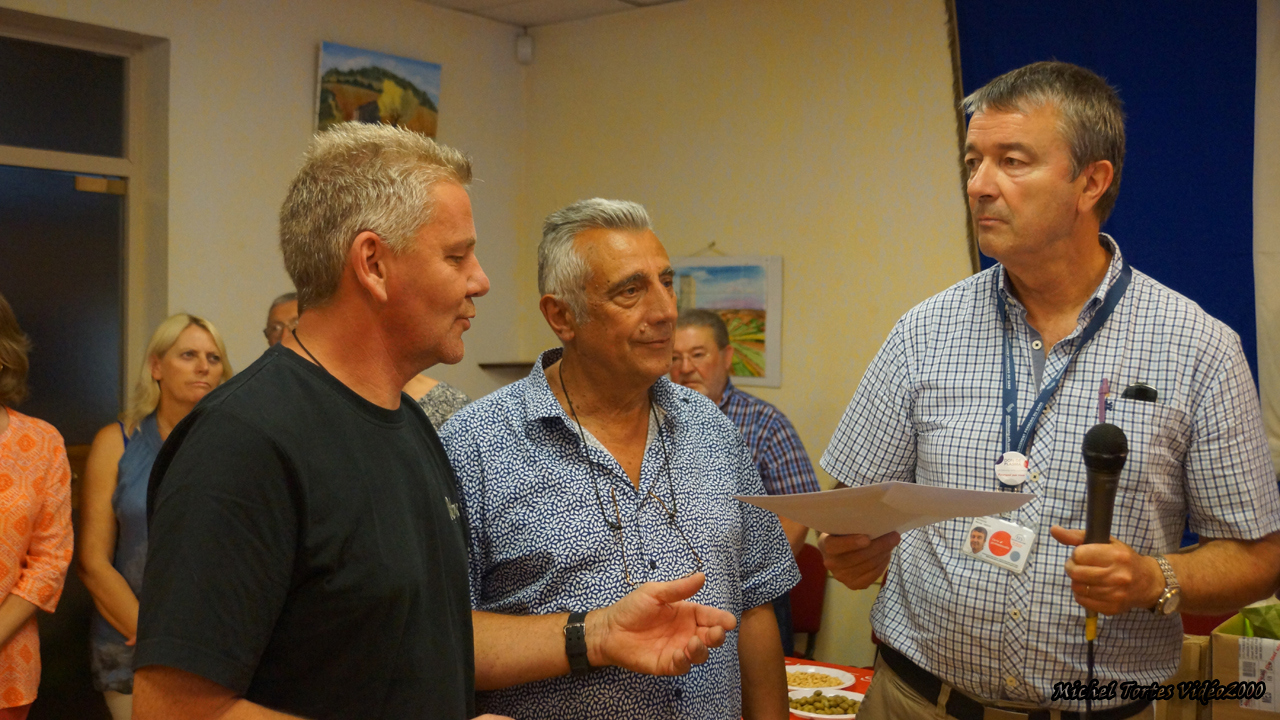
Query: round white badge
1011,468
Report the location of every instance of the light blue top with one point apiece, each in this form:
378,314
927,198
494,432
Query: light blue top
112,660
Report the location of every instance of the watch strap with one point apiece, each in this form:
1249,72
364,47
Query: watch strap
575,643
1171,586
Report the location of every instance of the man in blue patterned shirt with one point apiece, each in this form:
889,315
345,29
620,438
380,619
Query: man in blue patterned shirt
596,475
1060,320
701,361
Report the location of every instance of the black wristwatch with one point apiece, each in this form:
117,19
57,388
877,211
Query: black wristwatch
575,643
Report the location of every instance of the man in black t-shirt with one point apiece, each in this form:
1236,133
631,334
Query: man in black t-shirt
307,556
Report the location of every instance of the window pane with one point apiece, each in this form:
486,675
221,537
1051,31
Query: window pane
57,98
60,261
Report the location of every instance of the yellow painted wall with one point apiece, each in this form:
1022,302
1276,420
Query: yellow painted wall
1266,216
822,131
242,99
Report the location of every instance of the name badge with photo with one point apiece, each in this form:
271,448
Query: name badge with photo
999,542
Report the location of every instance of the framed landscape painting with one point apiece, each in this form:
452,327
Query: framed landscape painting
374,87
746,291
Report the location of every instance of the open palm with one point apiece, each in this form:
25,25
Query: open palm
653,630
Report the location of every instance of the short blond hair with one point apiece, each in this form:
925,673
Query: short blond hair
357,177
146,392
14,347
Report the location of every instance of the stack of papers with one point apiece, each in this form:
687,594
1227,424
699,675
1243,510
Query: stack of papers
885,507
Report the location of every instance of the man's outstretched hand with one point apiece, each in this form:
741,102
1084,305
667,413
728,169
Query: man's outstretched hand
654,631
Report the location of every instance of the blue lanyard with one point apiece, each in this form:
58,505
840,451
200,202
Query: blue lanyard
1021,434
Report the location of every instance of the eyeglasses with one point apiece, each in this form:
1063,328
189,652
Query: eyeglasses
274,331
615,524
671,518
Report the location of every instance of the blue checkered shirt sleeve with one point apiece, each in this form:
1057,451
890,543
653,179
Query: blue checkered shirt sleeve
875,440
775,445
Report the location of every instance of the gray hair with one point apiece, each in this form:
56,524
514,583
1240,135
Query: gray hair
562,272
1091,118
282,299
710,319
357,177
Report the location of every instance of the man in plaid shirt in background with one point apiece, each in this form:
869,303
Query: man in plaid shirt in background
702,361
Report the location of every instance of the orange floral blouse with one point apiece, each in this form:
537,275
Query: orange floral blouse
35,541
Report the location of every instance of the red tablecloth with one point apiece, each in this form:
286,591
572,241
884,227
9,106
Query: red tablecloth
859,686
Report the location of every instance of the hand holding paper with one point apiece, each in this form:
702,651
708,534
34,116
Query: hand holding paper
861,526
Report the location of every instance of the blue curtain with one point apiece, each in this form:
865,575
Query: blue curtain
1185,72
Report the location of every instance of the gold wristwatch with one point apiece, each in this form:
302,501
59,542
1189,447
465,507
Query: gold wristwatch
1171,598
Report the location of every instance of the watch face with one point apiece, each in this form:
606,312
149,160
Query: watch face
1171,602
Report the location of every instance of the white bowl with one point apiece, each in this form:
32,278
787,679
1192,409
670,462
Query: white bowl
795,694
846,679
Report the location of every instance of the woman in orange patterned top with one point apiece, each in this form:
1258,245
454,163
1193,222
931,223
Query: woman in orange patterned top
185,360
35,535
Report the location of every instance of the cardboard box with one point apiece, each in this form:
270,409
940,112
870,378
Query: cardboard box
1194,666
1258,658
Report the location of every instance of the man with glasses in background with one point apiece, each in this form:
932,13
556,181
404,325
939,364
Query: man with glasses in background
282,316
596,474
702,360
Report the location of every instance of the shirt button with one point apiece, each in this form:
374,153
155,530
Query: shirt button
1036,344
1035,474
1013,613
1011,681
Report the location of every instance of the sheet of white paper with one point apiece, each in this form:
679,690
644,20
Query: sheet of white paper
884,507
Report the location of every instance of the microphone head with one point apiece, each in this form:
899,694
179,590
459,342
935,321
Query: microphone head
1105,448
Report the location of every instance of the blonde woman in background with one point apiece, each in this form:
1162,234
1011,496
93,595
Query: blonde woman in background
35,535
185,361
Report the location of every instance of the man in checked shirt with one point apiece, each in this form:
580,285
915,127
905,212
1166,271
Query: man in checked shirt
702,361
963,637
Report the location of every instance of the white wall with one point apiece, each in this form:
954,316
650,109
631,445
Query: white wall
823,131
242,97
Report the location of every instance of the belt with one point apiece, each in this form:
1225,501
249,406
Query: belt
963,707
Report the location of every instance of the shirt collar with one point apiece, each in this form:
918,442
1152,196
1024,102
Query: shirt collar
540,402
1099,294
729,391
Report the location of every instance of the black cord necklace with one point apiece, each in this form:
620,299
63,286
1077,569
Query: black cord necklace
615,526
666,465
294,332
666,459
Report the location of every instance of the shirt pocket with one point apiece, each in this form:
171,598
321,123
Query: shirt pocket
1152,482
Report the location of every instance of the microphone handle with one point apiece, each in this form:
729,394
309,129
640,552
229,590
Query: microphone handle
1101,501
1097,529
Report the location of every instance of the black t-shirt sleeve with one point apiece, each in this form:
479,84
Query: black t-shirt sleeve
222,541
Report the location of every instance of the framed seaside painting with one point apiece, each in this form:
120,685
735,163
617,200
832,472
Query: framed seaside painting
747,293
374,87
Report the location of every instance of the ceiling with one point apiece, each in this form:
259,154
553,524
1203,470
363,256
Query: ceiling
530,13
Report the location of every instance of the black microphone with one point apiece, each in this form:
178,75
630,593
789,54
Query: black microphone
1105,449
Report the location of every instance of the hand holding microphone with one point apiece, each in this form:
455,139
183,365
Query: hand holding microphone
1102,570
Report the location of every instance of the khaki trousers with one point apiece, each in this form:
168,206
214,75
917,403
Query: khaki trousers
889,698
